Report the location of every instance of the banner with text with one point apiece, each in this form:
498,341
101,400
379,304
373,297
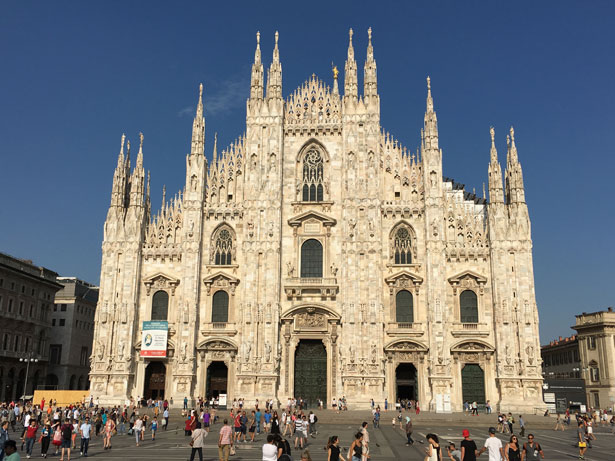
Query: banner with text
154,338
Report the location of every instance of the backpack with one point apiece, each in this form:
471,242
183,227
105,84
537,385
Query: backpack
67,431
315,419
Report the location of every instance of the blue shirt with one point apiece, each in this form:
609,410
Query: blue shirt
85,430
267,417
258,417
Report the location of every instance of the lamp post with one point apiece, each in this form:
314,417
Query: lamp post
28,360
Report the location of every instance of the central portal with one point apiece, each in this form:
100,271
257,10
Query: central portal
405,376
311,371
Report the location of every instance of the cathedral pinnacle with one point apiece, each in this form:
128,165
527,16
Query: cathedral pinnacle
257,78
120,157
140,154
495,173
370,80
274,80
350,71
215,148
494,152
429,98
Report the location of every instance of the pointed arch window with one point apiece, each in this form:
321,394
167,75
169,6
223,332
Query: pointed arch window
223,247
311,258
160,305
468,307
312,189
219,307
402,246
404,307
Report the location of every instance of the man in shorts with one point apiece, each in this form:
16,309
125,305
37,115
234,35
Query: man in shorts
67,433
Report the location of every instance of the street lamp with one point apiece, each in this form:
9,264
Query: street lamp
28,360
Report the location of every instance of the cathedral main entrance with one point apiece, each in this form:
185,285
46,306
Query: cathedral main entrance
473,383
311,371
155,377
217,379
405,379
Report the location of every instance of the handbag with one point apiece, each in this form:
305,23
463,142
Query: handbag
582,444
233,451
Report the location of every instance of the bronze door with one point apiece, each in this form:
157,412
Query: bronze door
311,371
217,379
473,383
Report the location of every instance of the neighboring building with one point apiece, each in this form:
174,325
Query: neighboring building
317,257
26,299
596,333
72,330
561,366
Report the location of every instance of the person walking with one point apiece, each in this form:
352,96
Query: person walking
4,436
582,440
85,430
30,437
225,441
154,428
365,441
67,432
270,449
356,449
521,426
494,445
109,431
197,441
45,439
559,423
511,450
469,450
409,430
531,449
137,428
433,451
333,449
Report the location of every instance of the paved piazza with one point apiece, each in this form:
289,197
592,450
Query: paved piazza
386,443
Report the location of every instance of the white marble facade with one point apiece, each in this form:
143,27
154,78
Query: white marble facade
318,224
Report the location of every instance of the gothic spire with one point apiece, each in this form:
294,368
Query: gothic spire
198,127
256,81
274,77
370,81
140,154
137,178
431,121
495,173
215,156
515,191
350,71
118,192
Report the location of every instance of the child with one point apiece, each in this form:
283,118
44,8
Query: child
154,428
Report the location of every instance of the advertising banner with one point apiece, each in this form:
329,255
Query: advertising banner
154,338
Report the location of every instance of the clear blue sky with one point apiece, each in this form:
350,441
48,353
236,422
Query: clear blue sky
76,75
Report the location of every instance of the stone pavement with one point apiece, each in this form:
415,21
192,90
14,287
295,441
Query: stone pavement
387,442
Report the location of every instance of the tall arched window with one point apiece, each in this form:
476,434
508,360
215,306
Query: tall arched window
401,246
223,247
312,189
311,258
468,307
160,305
404,307
219,307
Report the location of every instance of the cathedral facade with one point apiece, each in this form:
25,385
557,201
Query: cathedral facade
317,257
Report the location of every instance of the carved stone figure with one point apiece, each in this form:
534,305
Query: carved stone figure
333,270
290,269
267,351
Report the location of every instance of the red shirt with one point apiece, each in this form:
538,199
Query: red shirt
238,420
31,432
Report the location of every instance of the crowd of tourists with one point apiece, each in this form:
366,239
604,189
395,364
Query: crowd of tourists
56,428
